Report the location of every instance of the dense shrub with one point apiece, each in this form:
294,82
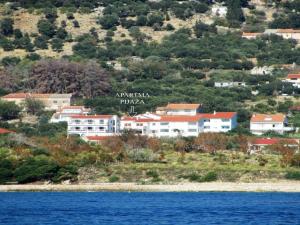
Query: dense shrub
142,155
36,168
292,175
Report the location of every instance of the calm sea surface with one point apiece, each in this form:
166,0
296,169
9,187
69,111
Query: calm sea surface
103,208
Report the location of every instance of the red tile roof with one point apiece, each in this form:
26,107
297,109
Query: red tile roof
177,106
26,95
91,116
5,131
169,118
184,118
288,31
250,34
218,115
279,118
273,141
98,138
293,76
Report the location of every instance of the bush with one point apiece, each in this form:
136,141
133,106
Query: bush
36,168
6,26
70,16
292,175
109,21
10,61
41,42
113,178
9,110
142,155
57,44
152,173
46,28
209,177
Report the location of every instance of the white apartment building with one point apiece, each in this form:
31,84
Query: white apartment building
294,79
94,125
179,109
228,84
65,113
262,123
181,125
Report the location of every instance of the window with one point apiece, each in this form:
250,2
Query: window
54,101
77,121
206,120
273,125
225,120
101,121
90,121
153,131
164,124
225,127
139,124
164,130
192,123
153,124
101,128
206,127
77,128
187,110
192,130
127,124
90,128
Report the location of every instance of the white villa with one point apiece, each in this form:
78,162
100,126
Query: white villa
154,125
262,123
294,79
219,10
65,113
94,125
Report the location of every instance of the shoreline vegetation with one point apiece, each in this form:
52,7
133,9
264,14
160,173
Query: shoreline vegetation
269,186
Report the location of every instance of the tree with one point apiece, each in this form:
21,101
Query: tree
57,44
109,21
34,106
9,110
211,142
235,12
61,33
6,26
41,42
154,18
46,28
60,76
200,28
8,81
86,47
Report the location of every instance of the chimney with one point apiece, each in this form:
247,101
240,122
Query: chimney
215,112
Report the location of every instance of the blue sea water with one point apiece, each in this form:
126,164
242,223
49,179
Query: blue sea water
121,208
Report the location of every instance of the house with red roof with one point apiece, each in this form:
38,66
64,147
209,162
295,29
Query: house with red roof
294,79
93,125
64,113
51,101
261,144
5,131
262,123
251,35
